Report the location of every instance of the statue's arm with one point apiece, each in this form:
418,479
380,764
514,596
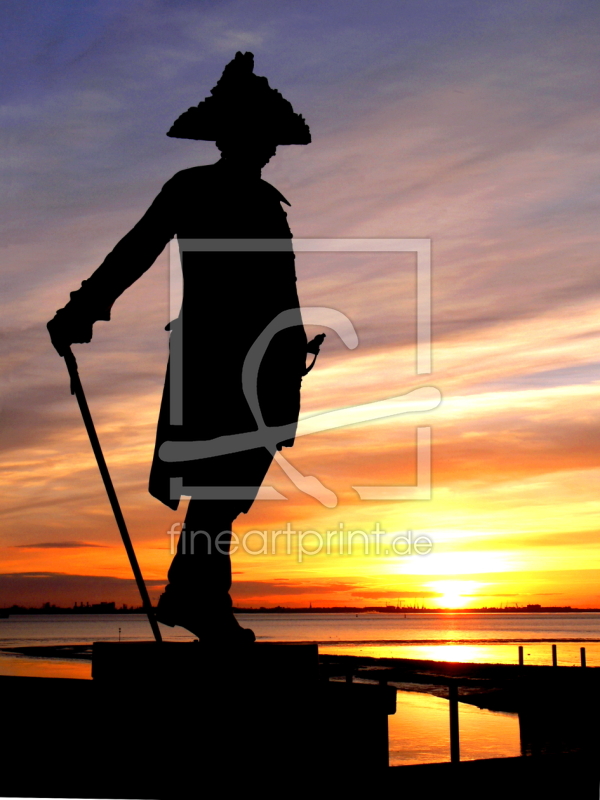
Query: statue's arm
132,256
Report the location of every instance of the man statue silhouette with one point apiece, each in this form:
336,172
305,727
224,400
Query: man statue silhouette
229,299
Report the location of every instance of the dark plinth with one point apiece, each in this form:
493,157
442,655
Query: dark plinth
264,662
264,700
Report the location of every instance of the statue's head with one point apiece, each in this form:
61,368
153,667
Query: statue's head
243,115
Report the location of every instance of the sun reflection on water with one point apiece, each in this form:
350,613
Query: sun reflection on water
420,731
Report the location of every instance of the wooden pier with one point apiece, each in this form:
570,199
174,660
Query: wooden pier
558,707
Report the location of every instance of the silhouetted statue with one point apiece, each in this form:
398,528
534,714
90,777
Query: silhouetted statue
229,299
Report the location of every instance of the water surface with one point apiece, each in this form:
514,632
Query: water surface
419,731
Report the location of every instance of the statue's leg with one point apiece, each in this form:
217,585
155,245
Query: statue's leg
197,596
201,569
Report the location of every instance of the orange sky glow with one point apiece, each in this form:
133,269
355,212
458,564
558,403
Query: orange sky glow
489,154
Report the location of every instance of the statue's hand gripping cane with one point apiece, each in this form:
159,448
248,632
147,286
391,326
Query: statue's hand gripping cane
66,328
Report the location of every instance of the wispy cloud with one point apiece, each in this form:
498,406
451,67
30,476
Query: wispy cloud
54,545
375,594
35,588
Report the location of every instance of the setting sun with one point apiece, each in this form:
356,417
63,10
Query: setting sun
454,594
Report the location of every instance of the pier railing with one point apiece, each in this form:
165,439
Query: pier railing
521,679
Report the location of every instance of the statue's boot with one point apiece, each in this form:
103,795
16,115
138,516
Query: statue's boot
208,624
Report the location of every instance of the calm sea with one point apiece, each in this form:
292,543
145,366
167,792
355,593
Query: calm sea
419,730
491,638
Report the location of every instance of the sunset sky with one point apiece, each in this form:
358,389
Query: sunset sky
473,124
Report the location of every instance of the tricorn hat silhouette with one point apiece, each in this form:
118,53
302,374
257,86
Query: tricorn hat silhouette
244,103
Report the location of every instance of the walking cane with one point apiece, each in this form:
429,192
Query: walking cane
77,390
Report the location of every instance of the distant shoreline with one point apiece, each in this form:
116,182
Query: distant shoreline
111,608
